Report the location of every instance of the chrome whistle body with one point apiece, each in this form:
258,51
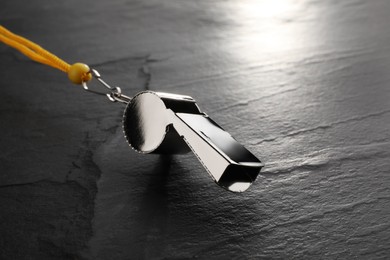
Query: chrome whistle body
164,123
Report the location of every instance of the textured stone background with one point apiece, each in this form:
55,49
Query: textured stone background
303,84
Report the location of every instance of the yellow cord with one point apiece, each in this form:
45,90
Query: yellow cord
77,72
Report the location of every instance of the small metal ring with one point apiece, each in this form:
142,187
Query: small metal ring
115,93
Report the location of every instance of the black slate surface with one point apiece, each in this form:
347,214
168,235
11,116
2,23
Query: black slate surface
302,84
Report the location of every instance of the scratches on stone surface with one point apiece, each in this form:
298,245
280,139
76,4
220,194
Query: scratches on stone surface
318,213
323,158
263,67
352,119
270,226
322,127
248,101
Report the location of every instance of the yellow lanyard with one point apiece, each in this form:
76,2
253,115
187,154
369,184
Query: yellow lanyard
77,73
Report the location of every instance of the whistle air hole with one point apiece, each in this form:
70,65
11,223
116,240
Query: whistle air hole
238,178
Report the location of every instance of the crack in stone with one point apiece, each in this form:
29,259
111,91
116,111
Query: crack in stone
131,58
145,74
26,183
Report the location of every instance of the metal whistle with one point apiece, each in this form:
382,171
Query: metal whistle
156,122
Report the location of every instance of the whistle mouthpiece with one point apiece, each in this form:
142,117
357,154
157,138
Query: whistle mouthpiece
164,123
